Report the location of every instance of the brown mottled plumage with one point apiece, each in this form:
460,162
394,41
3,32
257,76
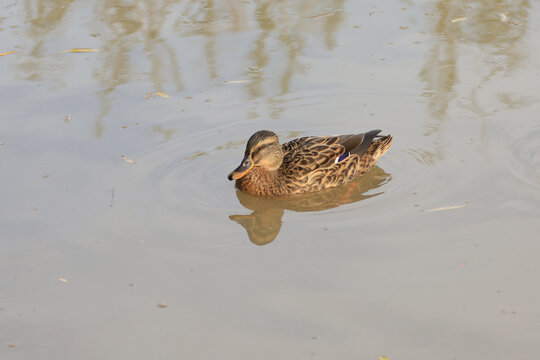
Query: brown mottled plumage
306,164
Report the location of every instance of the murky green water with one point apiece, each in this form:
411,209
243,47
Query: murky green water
114,201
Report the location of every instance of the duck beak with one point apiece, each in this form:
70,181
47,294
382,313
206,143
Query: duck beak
242,170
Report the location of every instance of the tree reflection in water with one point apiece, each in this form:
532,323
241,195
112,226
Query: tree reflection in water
152,40
467,35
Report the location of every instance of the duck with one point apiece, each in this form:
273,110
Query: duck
307,164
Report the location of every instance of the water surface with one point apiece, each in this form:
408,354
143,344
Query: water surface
115,197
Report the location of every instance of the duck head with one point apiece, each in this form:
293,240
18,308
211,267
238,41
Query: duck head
262,150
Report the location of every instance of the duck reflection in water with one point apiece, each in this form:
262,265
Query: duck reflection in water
264,223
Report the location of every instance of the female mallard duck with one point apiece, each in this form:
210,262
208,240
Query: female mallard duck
306,164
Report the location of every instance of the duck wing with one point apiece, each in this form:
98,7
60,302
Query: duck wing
312,152
318,163
305,155
295,144
358,143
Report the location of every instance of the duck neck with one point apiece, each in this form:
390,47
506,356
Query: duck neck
260,181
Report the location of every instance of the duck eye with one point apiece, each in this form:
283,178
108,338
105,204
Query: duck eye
246,163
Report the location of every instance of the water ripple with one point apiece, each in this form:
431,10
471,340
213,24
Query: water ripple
518,152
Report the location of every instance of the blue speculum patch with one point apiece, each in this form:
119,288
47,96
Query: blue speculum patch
342,157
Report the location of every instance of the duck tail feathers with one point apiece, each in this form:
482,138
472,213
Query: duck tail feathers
366,142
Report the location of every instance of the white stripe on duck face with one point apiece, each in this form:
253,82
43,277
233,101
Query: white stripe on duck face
342,157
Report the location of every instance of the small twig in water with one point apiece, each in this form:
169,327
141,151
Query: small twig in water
448,207
112,197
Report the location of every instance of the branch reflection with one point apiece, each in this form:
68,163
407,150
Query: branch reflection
490,30
264,223
151,40
493,29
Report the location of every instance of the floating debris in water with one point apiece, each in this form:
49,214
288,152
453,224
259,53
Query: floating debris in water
158,93
403,27
235,81
161,94
63,280
67,119
446,66
459,19
503,17
448,207
12,345
81,50
383,357
162,305
112,197
330,13
195,155
128,160
166,133
7,53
